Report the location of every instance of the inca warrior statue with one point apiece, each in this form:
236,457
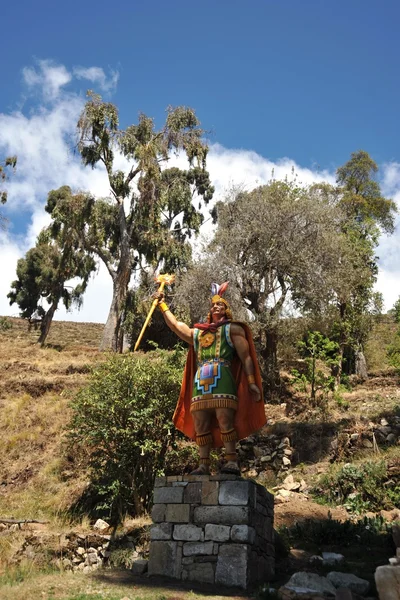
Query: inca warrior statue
221,395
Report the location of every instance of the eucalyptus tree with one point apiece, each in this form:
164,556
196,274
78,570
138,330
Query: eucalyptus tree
151,211
43,274
367,214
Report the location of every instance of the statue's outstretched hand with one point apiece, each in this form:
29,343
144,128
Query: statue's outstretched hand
158,296
255,392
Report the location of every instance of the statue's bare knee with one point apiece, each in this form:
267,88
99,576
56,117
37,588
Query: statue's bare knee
202,421
225,418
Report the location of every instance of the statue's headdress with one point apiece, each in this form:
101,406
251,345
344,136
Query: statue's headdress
217,292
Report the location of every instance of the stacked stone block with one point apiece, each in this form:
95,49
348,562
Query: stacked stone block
212,529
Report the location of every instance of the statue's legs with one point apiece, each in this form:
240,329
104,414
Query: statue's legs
226,420
202,425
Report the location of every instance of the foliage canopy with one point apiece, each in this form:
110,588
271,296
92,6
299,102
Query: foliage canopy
43,275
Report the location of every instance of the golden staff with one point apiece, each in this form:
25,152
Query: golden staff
162,280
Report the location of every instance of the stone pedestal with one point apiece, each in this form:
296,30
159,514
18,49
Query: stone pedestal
212,529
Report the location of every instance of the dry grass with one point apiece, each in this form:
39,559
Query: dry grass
105,586
37,478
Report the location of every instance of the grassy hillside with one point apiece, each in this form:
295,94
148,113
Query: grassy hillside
40,478
36,385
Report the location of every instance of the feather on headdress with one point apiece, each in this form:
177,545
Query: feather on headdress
219,290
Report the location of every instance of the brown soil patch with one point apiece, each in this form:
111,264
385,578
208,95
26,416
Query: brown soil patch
299,509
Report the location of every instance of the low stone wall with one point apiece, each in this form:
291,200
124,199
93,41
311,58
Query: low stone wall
70,551
77,552
212,529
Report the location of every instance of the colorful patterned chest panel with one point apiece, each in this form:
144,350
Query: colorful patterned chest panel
213,380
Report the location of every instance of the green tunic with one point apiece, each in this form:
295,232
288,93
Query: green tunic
214,385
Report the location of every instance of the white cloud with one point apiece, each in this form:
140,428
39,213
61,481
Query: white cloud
48,78
97,76
45,140
389,247
391,179
388,284
244,167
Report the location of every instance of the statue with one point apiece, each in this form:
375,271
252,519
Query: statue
221,394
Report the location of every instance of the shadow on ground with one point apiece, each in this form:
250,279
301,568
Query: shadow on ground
178,588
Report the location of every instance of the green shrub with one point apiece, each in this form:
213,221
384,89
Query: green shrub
345,382
340,401
122,419
316,349
393,353
327,532
359,487
5,324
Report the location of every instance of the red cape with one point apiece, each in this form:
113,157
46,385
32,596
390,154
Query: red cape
250,415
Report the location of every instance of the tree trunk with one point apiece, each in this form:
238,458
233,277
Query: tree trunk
314,362
121,278
361,366
46,322
337,371
342,343
111,333
269,354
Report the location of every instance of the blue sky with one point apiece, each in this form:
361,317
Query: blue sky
307,81
310,79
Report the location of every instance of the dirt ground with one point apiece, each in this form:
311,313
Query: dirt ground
298,508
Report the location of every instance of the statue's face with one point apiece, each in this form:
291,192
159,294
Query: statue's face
218,311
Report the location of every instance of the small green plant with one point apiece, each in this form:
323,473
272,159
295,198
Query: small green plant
320,356
5,324
345,382
300,380
15,575
340,401
394,495
122,558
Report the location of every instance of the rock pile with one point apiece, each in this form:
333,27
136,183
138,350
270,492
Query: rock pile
77,552
370,436
388,433
289,486
265,452
69,551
